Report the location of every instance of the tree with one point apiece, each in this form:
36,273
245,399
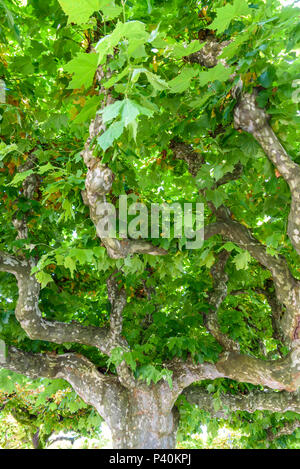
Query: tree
167,102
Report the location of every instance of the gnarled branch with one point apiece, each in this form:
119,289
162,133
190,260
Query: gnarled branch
31,320
249,117
98,184
287,287
93,387
255,400
280,374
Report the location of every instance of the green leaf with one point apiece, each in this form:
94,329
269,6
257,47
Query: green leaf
6,149
88,111
116,356
229,246
180,50
242,260
110,135
83,68
129,112
134,31
219,72
112,111
110,10
45,168
70,264
267,78
129,359
158,83
217,196
23,64
69,212
79,11
207,258
43,278
183,80
7,381
229,12
20,177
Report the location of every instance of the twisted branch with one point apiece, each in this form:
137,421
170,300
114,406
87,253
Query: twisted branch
37,328
98,184
251,118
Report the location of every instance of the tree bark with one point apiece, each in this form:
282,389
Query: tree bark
146,422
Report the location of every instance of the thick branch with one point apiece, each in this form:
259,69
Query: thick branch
94,388
287,287
11,264
194,160
280,375
185,152
255,400
31,320
251,118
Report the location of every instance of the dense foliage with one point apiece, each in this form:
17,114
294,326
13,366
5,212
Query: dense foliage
161,99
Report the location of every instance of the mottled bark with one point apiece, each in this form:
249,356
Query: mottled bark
141,416
182,151
286,286
117,297
249,117
37,327
209,55
254,400
283,374
103,392
149,422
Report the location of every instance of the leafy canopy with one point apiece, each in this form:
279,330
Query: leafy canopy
49,54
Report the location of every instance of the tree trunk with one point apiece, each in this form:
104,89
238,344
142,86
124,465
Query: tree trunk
146,423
